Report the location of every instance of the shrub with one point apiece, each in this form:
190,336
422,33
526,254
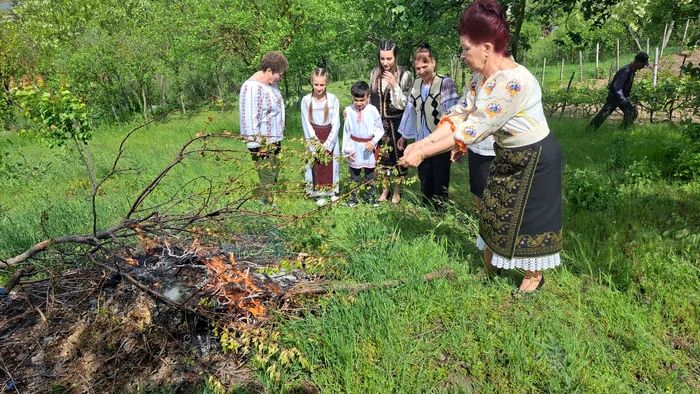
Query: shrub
688,166
688,161
586,188
641,172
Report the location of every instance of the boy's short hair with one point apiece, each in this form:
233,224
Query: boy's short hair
275,61
359,89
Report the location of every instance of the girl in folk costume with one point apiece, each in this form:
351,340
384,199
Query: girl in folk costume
390,86
321,121
432,95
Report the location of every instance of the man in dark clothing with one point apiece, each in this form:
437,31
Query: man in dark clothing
619,93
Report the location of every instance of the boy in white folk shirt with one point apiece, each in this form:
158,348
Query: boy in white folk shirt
361,133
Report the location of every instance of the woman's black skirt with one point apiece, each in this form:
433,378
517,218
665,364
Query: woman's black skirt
522,211
478,172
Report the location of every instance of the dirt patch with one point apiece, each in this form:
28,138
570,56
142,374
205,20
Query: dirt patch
672,63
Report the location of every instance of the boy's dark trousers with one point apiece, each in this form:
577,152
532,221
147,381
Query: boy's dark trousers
356,178
611,103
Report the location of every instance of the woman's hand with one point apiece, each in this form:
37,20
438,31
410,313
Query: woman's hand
412,158
409,148
456,155
389,78
401,144
369,147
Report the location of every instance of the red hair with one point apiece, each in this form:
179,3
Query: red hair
485,21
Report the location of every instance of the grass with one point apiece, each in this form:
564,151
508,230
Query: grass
620,315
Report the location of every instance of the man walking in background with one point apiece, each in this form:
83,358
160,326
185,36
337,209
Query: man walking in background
619,93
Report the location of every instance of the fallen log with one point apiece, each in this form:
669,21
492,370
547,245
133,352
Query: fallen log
308,289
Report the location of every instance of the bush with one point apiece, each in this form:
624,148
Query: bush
5,109
688,161
641,172
586,188
688,166
583,100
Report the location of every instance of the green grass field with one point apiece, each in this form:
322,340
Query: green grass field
622,314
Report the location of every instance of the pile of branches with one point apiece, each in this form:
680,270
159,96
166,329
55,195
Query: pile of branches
150,261
133,305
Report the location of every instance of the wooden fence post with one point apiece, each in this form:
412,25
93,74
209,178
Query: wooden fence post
580,65
544,67
597,51
561,71
647,45
656,66
617,55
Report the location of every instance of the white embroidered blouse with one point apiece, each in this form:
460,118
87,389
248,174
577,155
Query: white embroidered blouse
318,118
508,105
262,115
364,125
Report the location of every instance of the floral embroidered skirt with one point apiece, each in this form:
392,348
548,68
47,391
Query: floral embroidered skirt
521,215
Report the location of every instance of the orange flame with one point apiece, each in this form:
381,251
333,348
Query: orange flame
233,285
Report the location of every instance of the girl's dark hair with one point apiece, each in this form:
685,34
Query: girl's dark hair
387,45
485,21
319,72
359,89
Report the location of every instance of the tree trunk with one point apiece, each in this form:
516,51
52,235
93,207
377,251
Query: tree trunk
87,161
685,33
161,80
633,36
667,37
143,95
518,27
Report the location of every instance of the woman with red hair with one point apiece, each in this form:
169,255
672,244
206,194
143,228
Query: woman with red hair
520,221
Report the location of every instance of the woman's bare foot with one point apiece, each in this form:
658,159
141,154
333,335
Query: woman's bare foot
385,194
397,194
532,281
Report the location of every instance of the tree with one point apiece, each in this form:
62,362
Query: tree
59,116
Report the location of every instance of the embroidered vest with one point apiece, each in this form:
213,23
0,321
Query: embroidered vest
430,108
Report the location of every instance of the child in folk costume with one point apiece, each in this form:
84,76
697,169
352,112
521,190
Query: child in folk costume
321,122
361,134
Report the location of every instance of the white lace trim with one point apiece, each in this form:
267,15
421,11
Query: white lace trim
527,263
